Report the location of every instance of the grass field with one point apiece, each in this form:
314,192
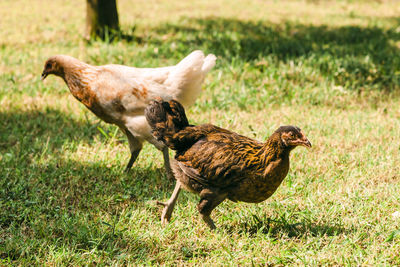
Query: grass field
329,67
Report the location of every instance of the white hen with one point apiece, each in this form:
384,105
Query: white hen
119,94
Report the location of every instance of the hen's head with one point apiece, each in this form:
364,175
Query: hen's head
56,65
292,136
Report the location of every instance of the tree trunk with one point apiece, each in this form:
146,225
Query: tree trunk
101,18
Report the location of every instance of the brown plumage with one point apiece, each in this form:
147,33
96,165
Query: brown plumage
119,94
219,164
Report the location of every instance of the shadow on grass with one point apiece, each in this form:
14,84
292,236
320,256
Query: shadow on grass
276,228
75,205
251,40
29,131
25,136
116,36
33,170
355,56
48,200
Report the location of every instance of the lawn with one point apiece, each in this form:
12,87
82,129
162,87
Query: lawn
329,67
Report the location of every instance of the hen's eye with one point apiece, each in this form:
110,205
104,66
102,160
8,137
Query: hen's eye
291,134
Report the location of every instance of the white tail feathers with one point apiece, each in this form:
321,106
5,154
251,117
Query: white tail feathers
188,75
209,63
196,61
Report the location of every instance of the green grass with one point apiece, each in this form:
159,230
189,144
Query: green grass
329,67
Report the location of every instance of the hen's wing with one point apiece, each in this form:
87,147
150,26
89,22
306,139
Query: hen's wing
217,156
123,94
158,75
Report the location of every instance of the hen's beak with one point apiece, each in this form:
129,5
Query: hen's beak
44,75
301,142
306,143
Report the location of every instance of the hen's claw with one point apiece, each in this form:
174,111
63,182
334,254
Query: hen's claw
166,214
161,203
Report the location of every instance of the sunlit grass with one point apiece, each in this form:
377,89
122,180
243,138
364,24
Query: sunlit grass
329,67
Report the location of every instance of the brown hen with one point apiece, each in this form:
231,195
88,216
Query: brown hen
218,164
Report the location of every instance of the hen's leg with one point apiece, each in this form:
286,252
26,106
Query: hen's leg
167,164
170,204
164,149
135,146
209,200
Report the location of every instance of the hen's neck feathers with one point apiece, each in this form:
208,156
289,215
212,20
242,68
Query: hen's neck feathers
273,149
76,74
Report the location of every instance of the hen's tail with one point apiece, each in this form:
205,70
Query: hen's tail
166,119
189,74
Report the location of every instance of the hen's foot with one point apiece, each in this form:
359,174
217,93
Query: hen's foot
170,204
167,212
